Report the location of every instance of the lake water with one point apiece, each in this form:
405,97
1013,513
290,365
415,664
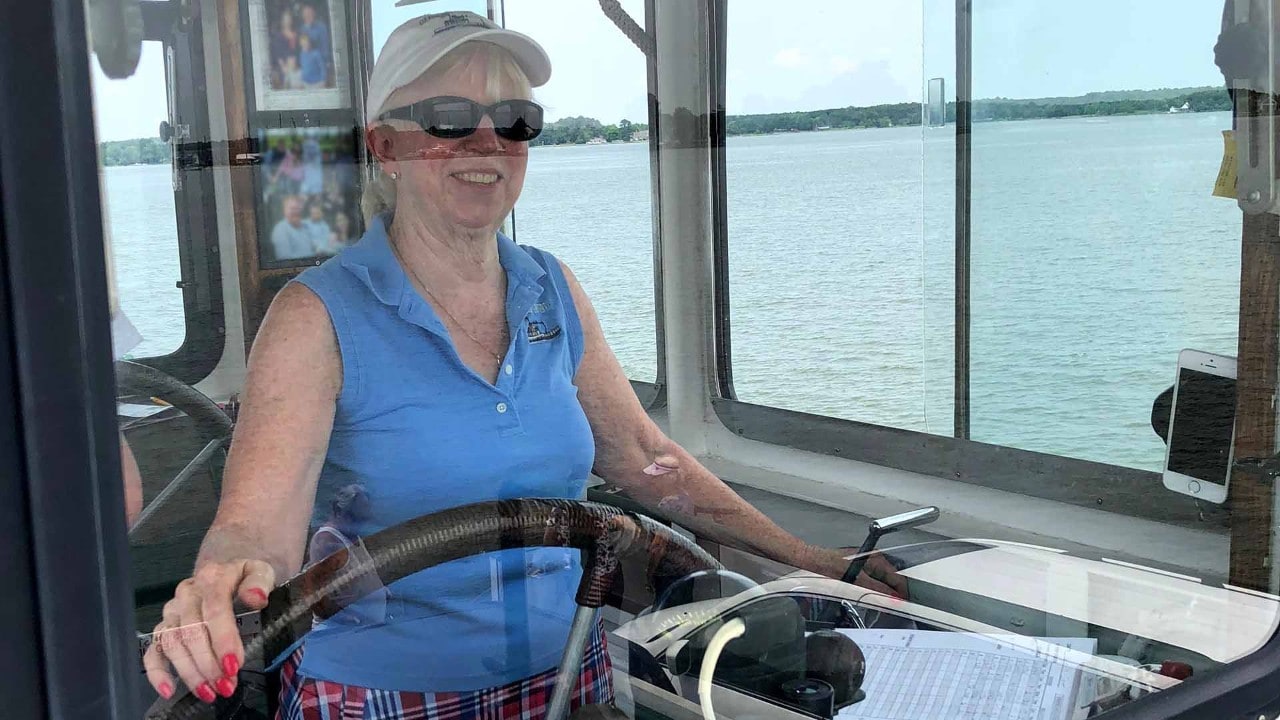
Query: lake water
1097,254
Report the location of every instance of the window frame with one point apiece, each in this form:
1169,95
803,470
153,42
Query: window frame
70,601
1075,481
195,203
653,395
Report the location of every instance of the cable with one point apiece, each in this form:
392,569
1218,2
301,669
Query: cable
729,631
629,27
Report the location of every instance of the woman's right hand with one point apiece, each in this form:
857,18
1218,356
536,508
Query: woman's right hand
268,490
198,637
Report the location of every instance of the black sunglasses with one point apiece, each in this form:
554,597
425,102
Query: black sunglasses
457,117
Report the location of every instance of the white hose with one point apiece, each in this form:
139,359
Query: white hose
727,632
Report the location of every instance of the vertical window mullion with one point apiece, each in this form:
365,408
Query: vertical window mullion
964,196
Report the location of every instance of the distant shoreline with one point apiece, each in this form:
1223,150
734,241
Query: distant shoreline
589,131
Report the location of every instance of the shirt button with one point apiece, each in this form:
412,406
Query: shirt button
507,370
501,408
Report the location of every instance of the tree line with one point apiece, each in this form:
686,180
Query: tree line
144,151
1201,101
897,115
579,130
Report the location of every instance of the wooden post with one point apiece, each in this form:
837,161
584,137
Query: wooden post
1251,492
239,145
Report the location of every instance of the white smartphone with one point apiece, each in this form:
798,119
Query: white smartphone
1202,425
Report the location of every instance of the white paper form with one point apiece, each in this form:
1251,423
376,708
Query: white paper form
918,674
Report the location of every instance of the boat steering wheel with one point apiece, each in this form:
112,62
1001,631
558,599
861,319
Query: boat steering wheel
604,534
136,379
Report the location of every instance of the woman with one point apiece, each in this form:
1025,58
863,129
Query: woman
436,363
284,45
341,235
288,176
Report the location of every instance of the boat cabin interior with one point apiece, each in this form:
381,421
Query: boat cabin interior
983,293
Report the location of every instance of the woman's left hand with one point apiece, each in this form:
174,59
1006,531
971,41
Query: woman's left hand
634,453
877,574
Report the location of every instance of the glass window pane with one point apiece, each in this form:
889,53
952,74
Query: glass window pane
1098,249
587,196
825,193
137,180
938,213
389,384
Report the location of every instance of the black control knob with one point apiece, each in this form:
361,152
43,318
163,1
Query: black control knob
811,696
835,659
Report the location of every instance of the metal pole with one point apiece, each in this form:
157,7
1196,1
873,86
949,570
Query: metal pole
964,196
683,71
179,482
584,621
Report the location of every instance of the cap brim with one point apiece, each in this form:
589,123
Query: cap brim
532,58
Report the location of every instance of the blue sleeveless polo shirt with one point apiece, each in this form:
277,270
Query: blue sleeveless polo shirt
422,432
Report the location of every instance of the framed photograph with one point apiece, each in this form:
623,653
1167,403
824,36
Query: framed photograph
308,195
298,60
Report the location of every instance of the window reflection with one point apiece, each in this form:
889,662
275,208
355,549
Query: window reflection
310,192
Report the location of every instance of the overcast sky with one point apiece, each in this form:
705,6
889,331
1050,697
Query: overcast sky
812,54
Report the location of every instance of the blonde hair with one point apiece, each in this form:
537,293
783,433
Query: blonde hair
503,73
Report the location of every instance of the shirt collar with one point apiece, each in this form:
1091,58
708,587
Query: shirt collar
374,263
518,262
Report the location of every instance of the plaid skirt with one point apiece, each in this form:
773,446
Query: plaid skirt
303,698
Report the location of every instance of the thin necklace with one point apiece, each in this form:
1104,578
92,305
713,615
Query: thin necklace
442,306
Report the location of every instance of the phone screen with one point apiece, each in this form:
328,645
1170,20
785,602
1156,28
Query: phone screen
1203,418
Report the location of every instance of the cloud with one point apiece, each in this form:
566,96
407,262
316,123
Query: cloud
841,65
792,58
867,83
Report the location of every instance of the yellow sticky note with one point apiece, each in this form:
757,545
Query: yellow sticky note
1226,184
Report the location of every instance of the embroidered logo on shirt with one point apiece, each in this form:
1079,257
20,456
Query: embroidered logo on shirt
538,331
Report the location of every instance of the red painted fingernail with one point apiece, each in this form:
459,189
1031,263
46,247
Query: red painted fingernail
230,665
165,690
205,693
225,687
258,596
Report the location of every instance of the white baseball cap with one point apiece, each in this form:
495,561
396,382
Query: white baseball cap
419,43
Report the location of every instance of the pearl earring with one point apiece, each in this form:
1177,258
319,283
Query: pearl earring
395,176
